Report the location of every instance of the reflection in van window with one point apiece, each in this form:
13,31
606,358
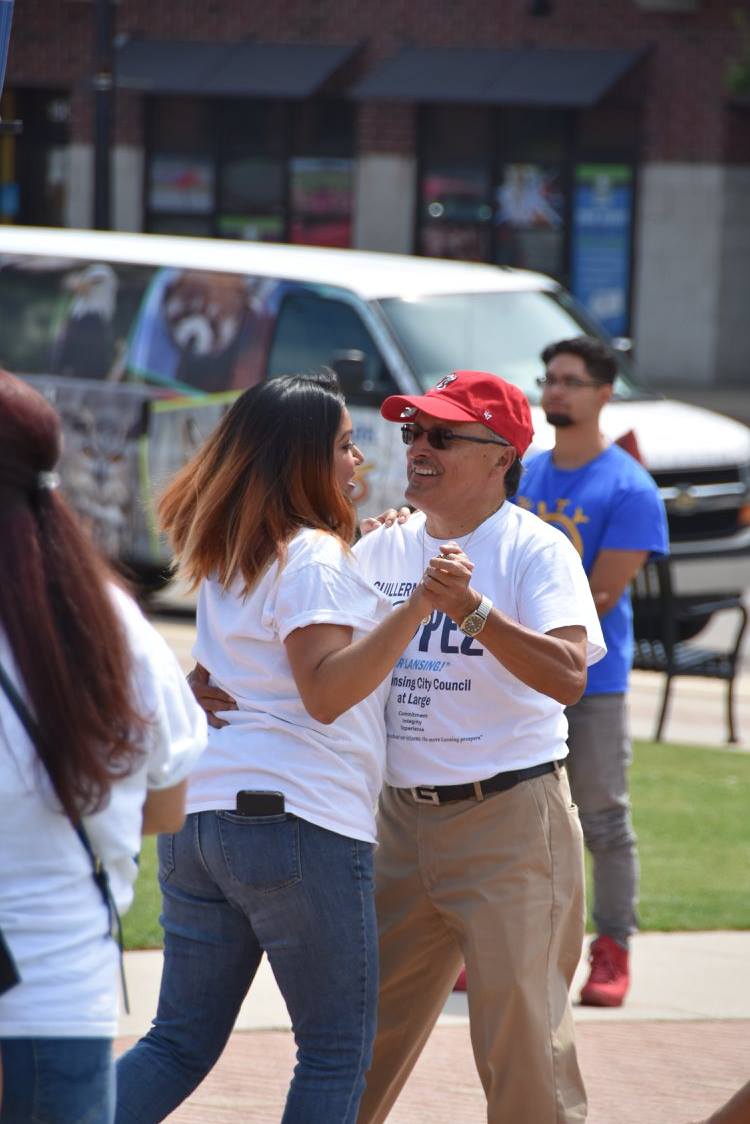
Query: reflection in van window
314,331
66,317
502,332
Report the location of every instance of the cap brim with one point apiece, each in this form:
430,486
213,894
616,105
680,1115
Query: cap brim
435,407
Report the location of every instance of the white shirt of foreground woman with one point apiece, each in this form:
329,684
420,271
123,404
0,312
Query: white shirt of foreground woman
332,773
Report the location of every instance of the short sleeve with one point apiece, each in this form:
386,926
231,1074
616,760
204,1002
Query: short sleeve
324,586
637,521
176,733
554,593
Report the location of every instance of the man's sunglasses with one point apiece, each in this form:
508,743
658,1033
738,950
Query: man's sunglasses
440,438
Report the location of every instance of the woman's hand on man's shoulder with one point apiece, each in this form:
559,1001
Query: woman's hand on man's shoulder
386,519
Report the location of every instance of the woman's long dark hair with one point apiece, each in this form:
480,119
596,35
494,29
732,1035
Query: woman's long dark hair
266,471
58,615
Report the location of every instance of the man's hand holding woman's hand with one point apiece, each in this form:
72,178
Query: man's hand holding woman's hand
209,696
446,582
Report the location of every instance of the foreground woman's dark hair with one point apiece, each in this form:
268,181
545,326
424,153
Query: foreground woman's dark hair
57,613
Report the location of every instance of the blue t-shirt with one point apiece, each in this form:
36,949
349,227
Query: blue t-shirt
611,503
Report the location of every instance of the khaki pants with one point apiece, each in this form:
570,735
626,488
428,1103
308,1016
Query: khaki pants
498,884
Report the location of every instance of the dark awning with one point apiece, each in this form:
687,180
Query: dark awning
564,78
272,70
435,74
572,78
176,68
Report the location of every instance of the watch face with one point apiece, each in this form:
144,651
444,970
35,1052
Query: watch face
473,624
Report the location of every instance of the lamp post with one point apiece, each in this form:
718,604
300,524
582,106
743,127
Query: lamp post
103,86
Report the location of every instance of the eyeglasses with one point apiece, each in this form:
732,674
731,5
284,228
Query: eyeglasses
567,382
440,438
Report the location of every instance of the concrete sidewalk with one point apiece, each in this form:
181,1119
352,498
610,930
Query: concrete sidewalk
679,1047
676,977
697,710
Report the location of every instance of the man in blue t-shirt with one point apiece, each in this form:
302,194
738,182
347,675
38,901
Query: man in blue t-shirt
610,509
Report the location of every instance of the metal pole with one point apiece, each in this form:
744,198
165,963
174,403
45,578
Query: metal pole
102,84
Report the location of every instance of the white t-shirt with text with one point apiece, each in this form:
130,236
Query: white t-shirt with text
454,713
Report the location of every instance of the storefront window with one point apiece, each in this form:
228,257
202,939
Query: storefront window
321,189
181,174
181,185
455,206
530,195
541,189
252,159
529,217
321,173
252,198
251,183
257,170
36,173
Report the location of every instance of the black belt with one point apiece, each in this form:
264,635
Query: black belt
477,790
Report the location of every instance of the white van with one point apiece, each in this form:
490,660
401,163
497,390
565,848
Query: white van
142,340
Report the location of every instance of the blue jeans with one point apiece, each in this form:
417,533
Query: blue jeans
237,886
57,1081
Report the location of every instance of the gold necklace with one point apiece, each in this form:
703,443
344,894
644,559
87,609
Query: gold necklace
470,536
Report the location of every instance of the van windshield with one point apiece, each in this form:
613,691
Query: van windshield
503,332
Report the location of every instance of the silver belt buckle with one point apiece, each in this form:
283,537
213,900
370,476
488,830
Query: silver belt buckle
425,794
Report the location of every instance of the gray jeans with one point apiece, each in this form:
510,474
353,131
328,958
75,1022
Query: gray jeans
598,762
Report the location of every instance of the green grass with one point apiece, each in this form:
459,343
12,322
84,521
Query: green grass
691,808
140,925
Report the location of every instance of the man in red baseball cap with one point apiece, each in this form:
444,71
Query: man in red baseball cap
480,858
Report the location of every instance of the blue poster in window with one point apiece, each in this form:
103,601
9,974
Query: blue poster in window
602,218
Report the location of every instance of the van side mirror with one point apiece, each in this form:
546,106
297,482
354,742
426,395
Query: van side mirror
351,370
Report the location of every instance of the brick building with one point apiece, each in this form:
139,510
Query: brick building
606,142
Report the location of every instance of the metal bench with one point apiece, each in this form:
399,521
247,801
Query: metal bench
662,623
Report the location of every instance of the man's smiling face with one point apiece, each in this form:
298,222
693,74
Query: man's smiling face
454,479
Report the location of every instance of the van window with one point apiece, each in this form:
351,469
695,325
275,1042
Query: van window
503,332
67,317
314,331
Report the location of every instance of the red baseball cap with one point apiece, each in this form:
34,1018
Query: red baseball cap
470,396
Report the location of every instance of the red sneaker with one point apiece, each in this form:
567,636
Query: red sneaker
609,978
460,984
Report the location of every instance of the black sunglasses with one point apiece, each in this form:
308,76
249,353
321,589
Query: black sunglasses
440,438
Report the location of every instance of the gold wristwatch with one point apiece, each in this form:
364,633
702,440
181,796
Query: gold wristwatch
475,622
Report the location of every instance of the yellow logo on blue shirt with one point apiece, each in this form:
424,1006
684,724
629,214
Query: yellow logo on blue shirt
567,523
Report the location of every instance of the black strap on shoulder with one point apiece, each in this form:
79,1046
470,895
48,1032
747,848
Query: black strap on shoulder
98,870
